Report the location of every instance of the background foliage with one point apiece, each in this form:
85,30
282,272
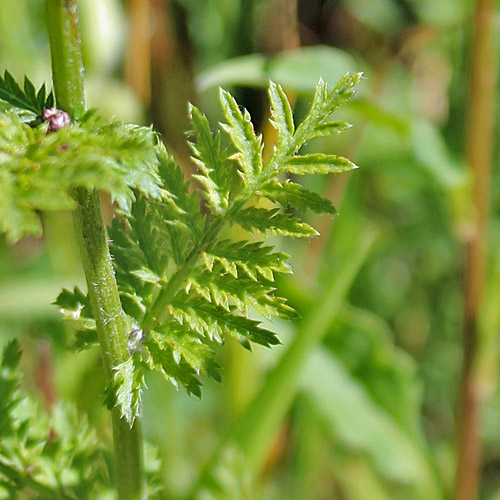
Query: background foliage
368,409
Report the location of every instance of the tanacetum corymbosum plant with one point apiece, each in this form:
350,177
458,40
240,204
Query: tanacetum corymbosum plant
184,286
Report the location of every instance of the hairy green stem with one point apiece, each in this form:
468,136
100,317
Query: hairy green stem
67,68
113,336
67,64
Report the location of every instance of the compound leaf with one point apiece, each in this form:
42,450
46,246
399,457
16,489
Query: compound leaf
26,98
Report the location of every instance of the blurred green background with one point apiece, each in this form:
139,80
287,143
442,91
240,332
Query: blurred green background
369,411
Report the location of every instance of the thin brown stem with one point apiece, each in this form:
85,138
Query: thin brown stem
478,149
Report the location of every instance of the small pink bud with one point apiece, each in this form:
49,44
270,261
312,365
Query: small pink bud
48,112
56,117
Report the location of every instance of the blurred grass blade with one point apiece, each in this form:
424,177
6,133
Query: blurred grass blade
296,70
356,479
432,153
316,461
359,424
389,374
383,118
253,433
245,70
495,496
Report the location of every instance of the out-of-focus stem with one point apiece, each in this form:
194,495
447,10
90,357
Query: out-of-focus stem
478,149
138,60
172,78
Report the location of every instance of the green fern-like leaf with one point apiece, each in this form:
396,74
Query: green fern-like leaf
185,287
281,115
9,397
241,132
291,194
125,389
215,176
251,258
317,164
214,323
75,307
174,362
27,97
263,220
224,290
38,169
45,457
189,348
323,105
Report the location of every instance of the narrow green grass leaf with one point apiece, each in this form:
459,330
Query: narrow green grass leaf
362,426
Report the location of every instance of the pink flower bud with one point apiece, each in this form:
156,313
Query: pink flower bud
56,117
48,112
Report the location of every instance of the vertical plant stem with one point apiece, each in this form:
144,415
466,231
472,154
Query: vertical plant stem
108,312
478,149
67,69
